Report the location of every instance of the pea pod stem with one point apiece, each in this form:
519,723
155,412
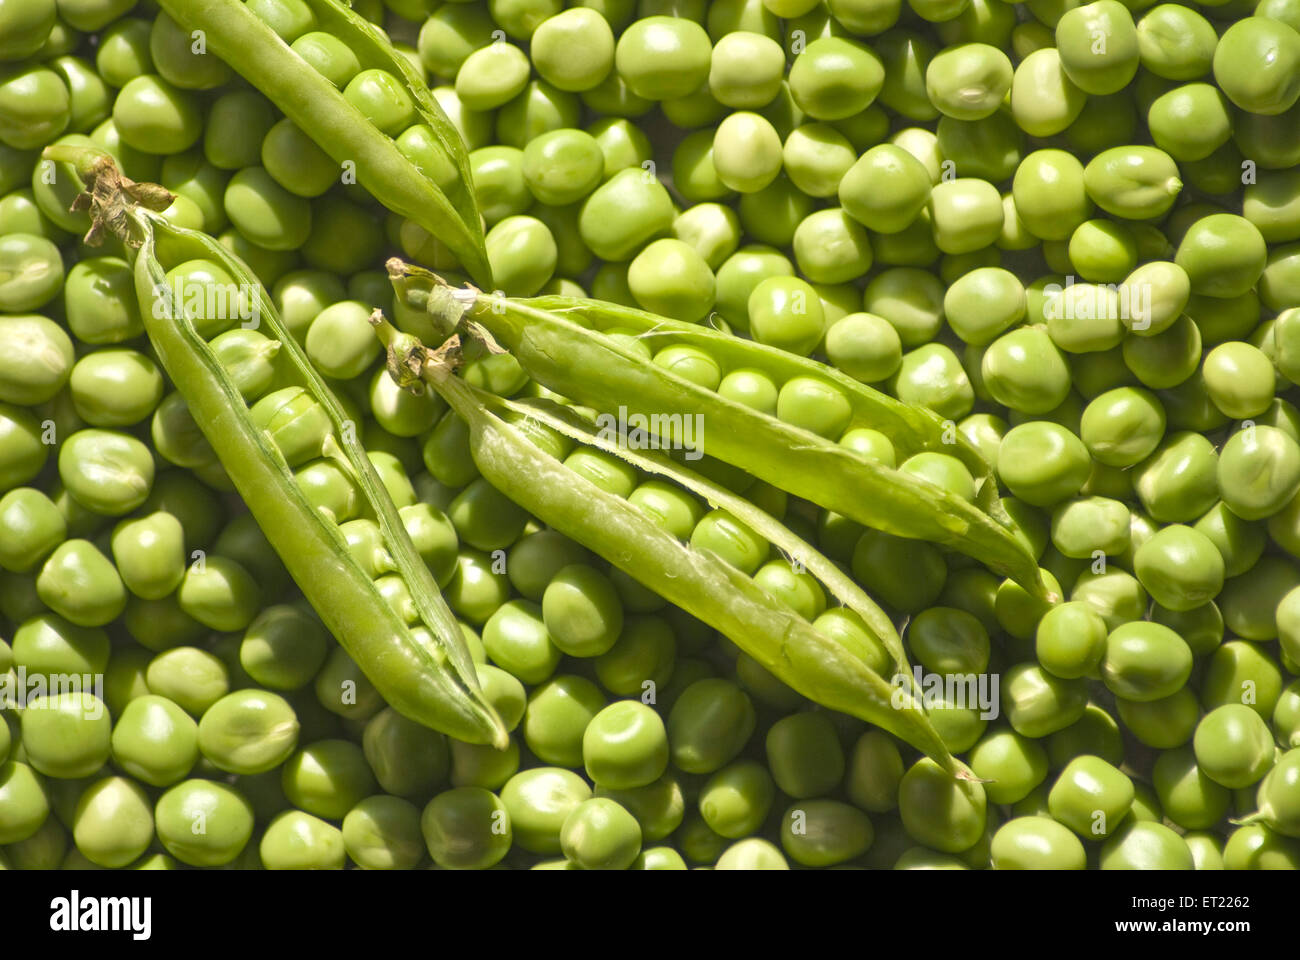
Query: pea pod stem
448,212
436,683
695,580
594,369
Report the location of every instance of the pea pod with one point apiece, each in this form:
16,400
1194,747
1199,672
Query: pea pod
591,368
444,206
430,680
565,421
695,580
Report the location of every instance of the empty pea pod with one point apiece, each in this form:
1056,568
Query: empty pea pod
428,183
423,668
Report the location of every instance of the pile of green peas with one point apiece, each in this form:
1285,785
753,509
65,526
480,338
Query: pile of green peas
1088,262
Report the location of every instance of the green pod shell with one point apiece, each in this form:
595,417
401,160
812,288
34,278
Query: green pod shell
717,593
436,683
545,334
447,210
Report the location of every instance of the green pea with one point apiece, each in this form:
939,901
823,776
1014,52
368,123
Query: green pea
969,80
1071,640
1091,797
1177,482
407,759
932,376
581,611
1133,182
625,746
1025,371
1258,471
81,584
1176,42
150,554
1038,704
155,741
383,833
299,841
736,800
834,78
599,834
658,807
906,574
1014,765
32,528
661,58
1239,541
823,833
1098,68
966,214
25,807
1121,427
558,714
113,822
1223,255
948,641
1044,100
983,303
1189,798
219,593
193,679
1249,601
517,640
1180,567
641,659
831,247
804,755
248,732
708,725
203,823
1164,723
871,444
326,778
1036,843
538,801
813,405
1145,661
625,211
1084,526
864,346
1042,463
940,811
1240,672
1201,627
106,471
1271,88
874,772
1256,847
1233,746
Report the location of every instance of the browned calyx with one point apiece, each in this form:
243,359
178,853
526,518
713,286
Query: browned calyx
109,195
409,361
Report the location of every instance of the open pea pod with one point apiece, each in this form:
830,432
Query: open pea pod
566,421
585,365
440,200
422,668
696,580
